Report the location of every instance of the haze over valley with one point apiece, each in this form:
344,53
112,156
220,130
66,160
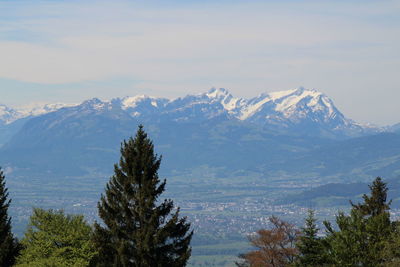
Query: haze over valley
230,162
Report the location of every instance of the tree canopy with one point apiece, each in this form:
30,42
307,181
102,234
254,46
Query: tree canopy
275,247
362,236
55,239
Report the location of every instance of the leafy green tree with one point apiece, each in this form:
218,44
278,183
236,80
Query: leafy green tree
140,230
312,251
56,239
9,247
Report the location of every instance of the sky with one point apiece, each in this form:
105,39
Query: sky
69,51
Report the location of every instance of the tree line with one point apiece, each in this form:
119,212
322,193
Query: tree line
139,229
365,237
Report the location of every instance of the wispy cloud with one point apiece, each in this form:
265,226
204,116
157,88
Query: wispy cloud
171,47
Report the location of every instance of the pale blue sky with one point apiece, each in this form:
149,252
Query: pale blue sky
68,51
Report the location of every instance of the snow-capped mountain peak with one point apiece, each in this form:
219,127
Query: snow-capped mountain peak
94,103
289,104
218,93
300,109
40,109
130,102
225,98
7,114
273,96
299,98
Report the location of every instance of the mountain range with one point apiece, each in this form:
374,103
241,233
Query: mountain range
229,162
309,111
295,131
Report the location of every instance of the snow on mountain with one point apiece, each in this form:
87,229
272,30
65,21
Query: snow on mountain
292,105
40,109
130,102
140,105
140,101
93,104
223,96
8,115
298,109
394,128
220,97
289,105
196,108
301,109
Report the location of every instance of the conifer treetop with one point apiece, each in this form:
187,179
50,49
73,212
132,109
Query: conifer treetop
376,203
139,229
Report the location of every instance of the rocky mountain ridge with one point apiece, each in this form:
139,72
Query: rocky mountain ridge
300,110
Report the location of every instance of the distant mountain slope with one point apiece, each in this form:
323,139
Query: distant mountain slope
353,159
8,130
12,120
307,111
335,194
395,128
301,111
8,114
296,131
86,138
68,140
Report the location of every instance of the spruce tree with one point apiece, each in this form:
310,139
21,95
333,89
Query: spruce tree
375,204
349,245
138,229
9,247
375,211
362,235
311,247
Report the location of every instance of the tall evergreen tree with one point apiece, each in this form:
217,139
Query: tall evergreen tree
348,246
9,247
311,247
140,230
375,204
375,211
363,234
